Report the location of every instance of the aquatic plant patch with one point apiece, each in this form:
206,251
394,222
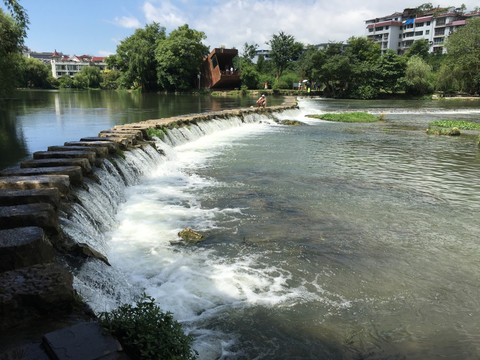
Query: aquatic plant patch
349,117
460,124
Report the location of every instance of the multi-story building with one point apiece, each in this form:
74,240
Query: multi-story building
399,30
72,65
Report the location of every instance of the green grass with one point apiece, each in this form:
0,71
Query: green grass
349,117
443,131
159,133
460,124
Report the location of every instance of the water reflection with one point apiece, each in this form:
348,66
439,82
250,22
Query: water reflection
35,120
12,144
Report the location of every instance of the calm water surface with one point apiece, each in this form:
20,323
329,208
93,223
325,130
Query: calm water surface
34,120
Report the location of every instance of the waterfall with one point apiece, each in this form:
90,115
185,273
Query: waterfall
94,215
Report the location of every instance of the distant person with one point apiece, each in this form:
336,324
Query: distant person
231,70
262,101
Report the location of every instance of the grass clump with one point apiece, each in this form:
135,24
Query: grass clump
349,117
146,332
460,124
443,131
159,133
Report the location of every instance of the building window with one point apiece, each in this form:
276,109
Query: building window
370,30
386,27
439,32
427,32
419,25
428,23
419,33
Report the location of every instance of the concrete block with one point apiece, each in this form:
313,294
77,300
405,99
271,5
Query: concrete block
60,182
88,154
19,197
73,172
41,215
100,151
110,145
83,341
35,292
22,247
36,163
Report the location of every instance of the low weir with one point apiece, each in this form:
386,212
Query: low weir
46,230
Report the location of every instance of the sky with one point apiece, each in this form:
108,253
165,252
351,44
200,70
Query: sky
95,28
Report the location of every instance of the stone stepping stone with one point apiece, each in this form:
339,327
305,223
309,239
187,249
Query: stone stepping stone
100,151
20,197
88,154
82,341
73,172
22,247
60,182
41,214
37,163
110,145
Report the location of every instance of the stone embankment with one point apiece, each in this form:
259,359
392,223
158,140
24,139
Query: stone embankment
41,315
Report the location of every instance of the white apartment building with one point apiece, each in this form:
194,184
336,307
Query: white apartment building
399,30
70,66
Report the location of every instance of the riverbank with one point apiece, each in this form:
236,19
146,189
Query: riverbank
38,300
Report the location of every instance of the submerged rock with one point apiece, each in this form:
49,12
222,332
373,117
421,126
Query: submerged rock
190,236
291,122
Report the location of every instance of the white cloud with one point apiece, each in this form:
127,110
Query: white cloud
165,14
127,22
234,22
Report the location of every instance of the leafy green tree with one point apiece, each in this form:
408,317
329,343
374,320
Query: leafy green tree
34,74
249,52
463,52
65,82
418,77
420,48
250,76
364,57
12,32
88,77
283,49
179,58
310,63
392,68
110,79
135,58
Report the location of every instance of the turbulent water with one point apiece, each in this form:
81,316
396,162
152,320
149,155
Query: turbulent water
323,241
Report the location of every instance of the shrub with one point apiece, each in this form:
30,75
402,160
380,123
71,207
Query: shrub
146,332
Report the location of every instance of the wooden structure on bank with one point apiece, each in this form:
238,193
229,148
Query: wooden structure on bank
218,71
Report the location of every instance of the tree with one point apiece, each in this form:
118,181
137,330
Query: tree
249,52
136,60
283,49
12,32
34,74
420,48
463,54
88,77
179,58
392,68
418,77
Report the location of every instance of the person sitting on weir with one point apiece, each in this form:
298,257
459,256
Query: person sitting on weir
262,101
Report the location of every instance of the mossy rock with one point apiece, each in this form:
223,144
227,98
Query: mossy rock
291,122
190,236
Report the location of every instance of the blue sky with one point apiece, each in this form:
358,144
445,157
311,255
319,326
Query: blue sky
96,27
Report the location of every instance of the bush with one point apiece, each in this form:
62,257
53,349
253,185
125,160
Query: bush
145,332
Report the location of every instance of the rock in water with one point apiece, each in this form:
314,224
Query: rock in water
190,235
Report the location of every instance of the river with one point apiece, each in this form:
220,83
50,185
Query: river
323,241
